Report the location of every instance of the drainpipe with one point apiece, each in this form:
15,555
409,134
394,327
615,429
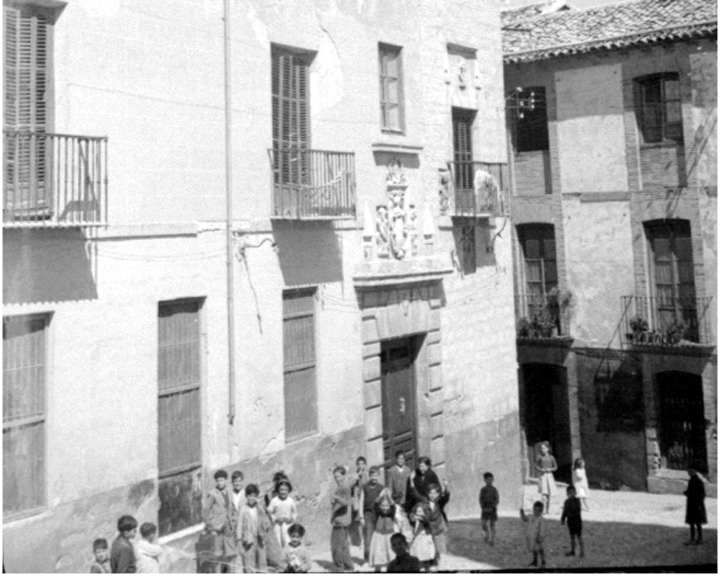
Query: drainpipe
229,218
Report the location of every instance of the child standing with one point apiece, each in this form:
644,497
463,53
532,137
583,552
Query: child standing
695,514
571,513
535,533
122,553
546,465
283,511
398,477
249,533
216,514
489,500
422,545
437,499
404,562
369,496
102,557
380,548
340,519
237,498
148,552
357,481
297,559
580,481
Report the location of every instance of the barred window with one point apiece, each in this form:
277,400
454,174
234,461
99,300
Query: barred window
24,373
301,417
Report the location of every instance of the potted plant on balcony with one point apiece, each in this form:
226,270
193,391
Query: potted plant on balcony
675,331
639,327
524,328
543,326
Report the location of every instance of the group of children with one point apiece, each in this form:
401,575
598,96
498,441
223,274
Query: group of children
400,525
247,532
126,557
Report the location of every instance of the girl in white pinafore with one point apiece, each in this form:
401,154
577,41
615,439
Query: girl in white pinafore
580,481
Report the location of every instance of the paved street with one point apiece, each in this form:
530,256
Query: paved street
622,529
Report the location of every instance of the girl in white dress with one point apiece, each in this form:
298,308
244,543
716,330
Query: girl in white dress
580,481
283,511
422,546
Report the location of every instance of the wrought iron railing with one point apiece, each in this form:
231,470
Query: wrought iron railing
481,188
312,184
667,321
542,316
54,179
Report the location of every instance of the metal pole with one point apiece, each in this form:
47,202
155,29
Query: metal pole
229,219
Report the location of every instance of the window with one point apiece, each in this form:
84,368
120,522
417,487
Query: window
538,247
27,88
179,435
392,111
24,361
531,123
291,115
673,271
462,121
659,108
299,363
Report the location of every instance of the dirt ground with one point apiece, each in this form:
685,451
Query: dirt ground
622,529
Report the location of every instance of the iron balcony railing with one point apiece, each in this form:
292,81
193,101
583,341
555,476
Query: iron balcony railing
312,184
542,316
54,179
481,188
667,321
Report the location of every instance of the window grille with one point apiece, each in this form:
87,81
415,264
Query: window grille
24,362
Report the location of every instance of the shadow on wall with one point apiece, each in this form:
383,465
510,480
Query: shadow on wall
607,545
47,266
309,252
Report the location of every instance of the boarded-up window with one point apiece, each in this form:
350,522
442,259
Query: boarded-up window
299,363
179,433
531,122
660,108
291,115
26,79
24,361
392,107
178,386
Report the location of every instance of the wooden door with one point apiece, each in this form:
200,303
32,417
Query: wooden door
398,399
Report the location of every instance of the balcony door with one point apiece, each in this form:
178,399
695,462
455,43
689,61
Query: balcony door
25,121
462,122
673,274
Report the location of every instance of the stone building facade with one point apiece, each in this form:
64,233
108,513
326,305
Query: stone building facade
370,253
612,113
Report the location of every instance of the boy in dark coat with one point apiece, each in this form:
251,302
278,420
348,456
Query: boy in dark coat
571,513
122,553
695,514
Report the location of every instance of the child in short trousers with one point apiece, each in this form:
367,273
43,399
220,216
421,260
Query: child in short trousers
489,500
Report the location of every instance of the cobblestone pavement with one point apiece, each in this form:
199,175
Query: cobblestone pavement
622,529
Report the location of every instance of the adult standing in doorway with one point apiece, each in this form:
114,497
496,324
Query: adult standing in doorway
419,482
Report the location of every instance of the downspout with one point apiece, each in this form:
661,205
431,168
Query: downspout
229,218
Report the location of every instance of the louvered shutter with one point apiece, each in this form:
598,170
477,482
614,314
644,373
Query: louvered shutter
291,118
26,79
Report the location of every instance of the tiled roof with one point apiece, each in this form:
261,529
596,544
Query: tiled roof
529,34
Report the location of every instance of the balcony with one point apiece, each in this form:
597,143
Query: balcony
53,180
543,316
312,184
666,321
480,189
